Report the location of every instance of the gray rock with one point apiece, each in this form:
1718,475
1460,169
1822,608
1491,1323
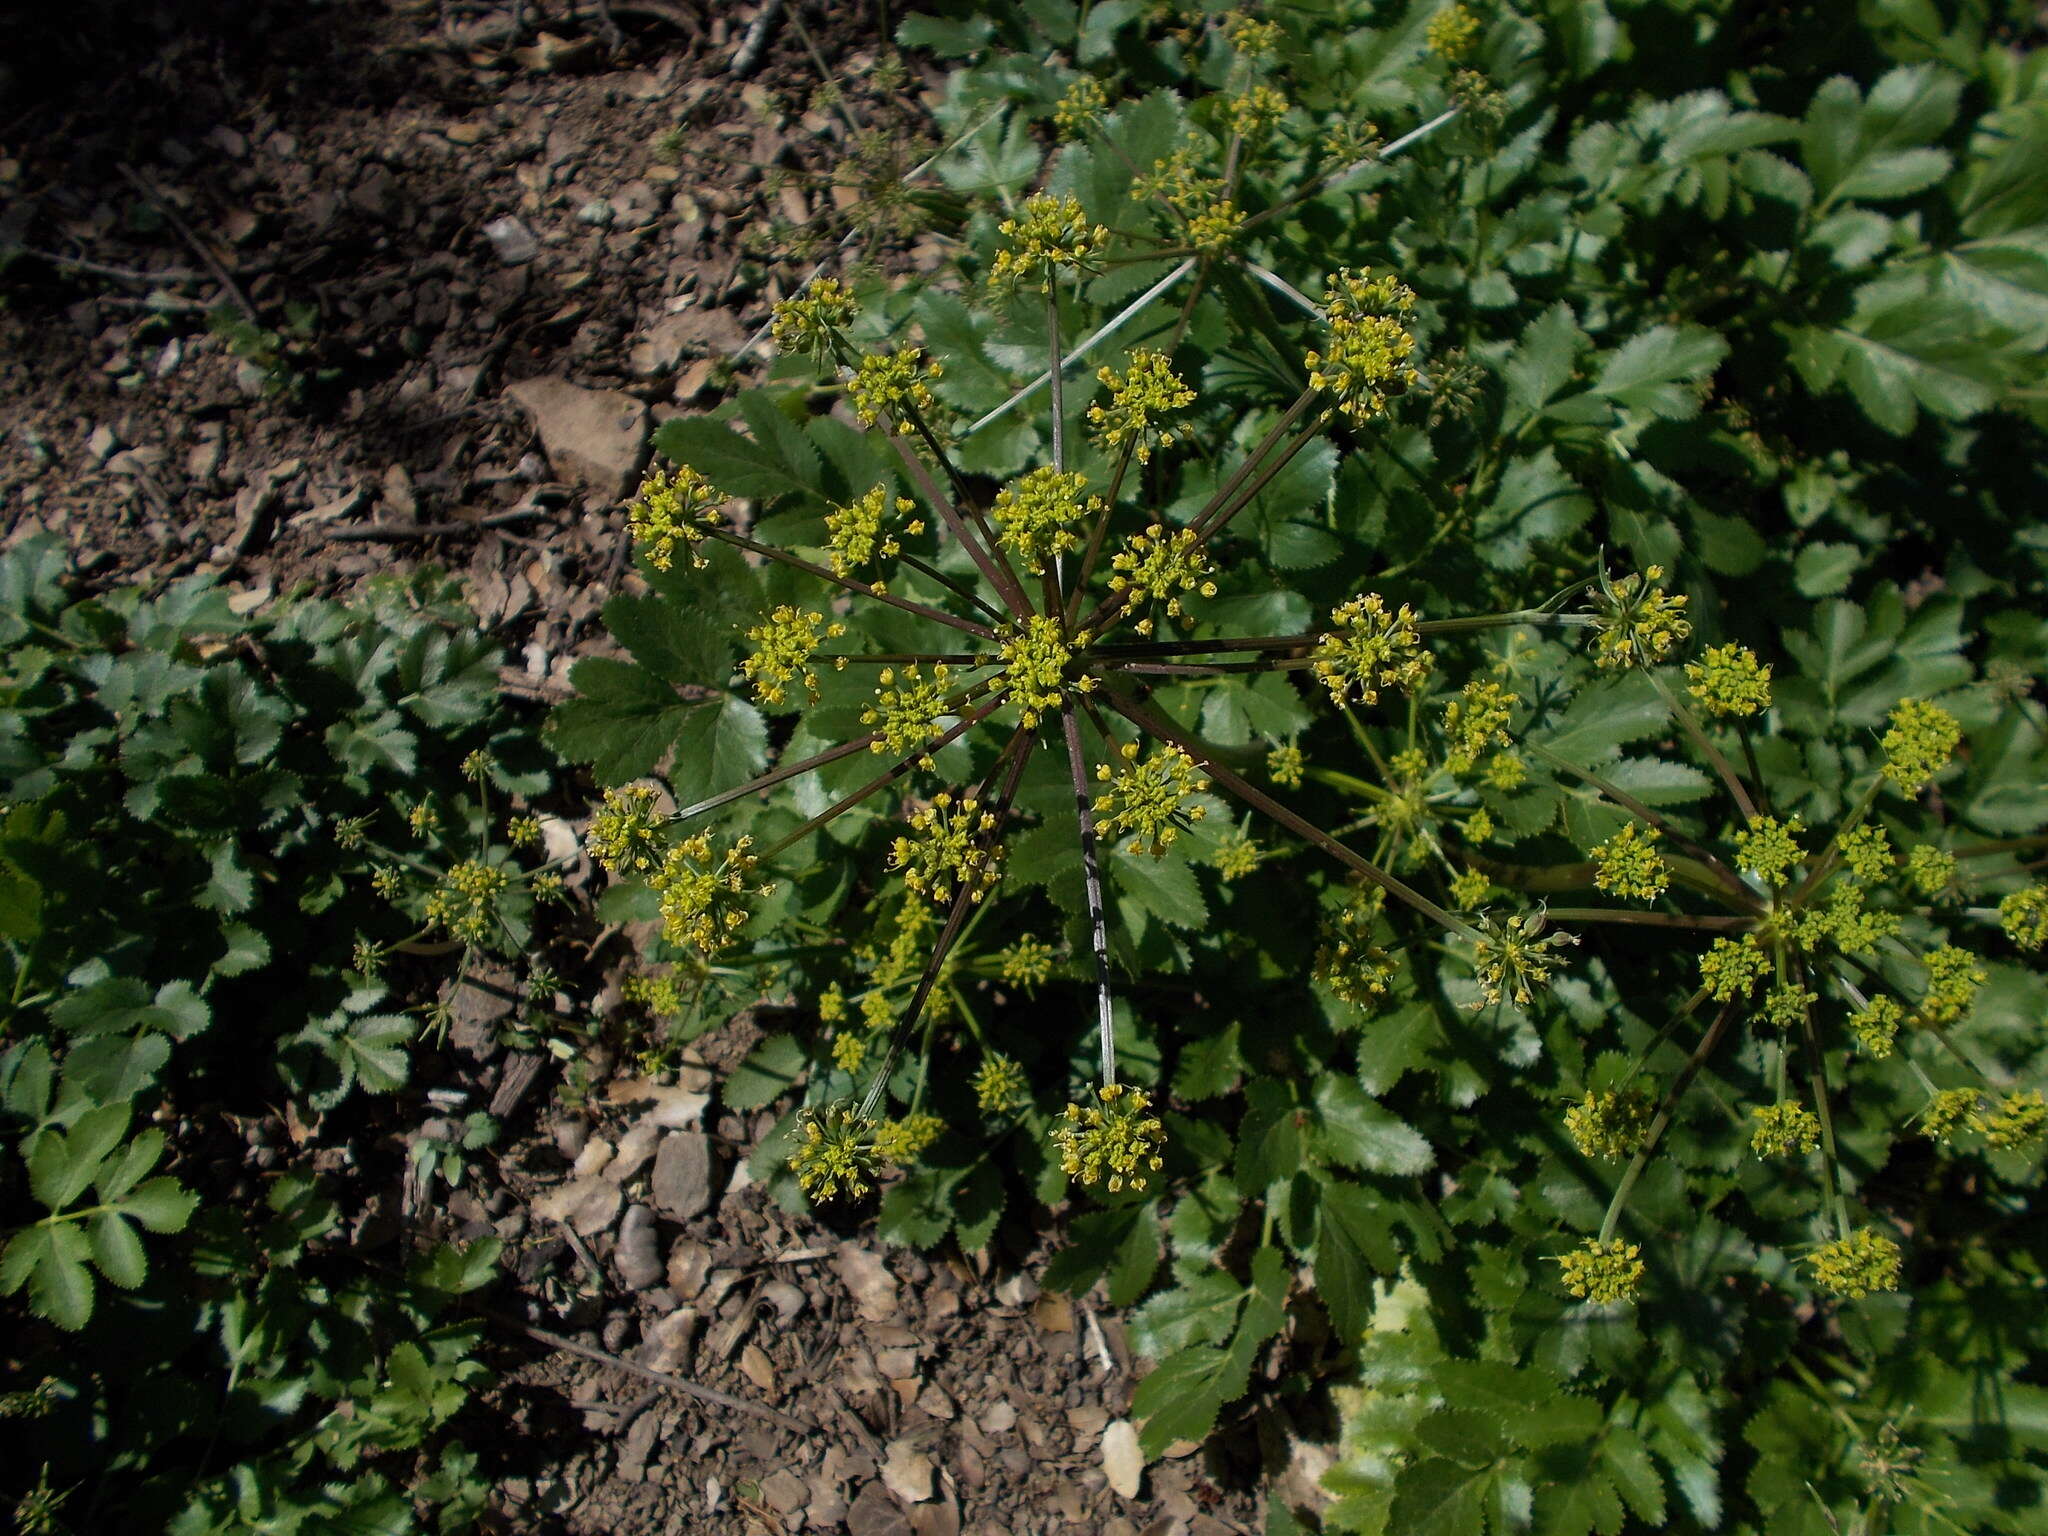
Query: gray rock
640,1266
512,240
684,1175
592,437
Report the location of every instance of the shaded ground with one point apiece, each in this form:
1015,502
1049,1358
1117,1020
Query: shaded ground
277,271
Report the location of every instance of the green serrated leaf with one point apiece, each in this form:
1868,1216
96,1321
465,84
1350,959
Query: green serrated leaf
770,1070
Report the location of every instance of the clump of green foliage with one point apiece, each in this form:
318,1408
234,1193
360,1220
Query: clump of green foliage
1545,900
215,828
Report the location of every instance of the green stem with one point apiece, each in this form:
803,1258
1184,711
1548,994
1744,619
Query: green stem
1091,872
1650,919
1672,1095
1691,726
1816,1065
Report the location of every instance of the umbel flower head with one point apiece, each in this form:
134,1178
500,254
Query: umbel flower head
625,832
1451,33
1783,1129
999,1085
1876,1025
1628,864
815,320
1037,517
1922,738
1514,956
783,645
1611,1124
1854,1266
1364,361
674,506
892,384
2016,1123
1476,720
1368,648
1953,977
1729,680
858,534
1355,969
1603,1272
908,708
1035,660
1146,799
947,848
1081,108
1159,565
1731,968
702,891
1635,621
1026,963
2024,916
898,1142
1050,233
1146,390
834,1157
1769,847
464,900
1116,1140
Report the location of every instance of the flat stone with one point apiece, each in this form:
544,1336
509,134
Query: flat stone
876,1513
1121,1462
585,1206
512,240
864,1274
785,1492
639,1264
684,1173
596,438
908,1472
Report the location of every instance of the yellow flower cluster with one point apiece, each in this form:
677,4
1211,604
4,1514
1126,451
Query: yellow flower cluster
1856,1265
898,1142
1369,649
1364,362
701,892
1603,1272
1036,517
1731,968
1026,963
815,320
1637,622
1035,660
1147,389
465,900
1250,113
1611,1124
834,1156
1050,234
1148,800
625,832
674,507
1514,956
1476,720
999,1085
948,845
1080,108
1876,1025
2024,916
908,708
858,533
1451,32
1953,977
1628,864
1729,680
1922,738
1770,848
1285,766
893,384
1783,1129
783,646
1117,1139
1355,969
1160,564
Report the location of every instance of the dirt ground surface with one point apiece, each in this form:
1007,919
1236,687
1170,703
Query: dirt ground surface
295,293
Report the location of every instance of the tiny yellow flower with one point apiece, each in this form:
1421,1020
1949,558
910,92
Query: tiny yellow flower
1603,1272
1730,680
1856,1265
1148,800
1451,33
1922,738
1628,864
1369,649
